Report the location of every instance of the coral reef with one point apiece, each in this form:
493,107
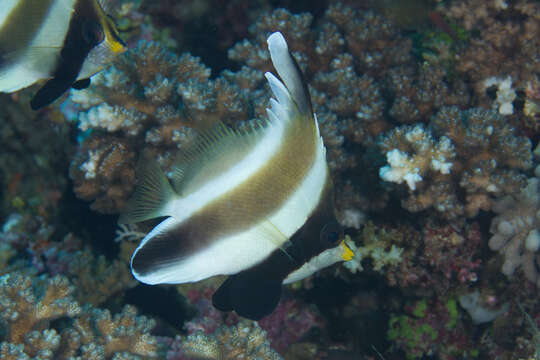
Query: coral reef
426,155
479,312
376,244
439,259
246,340
29,305
95,334
503,44
487,156
154,110
515,231
287,325
531,107
158,109
431,329
34,150
95,278
428,128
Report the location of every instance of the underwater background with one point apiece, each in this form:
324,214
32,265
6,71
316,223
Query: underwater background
430,112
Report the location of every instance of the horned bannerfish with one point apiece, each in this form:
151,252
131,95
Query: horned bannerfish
62,41
255,204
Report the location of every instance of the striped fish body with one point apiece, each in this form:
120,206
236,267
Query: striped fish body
63,41
250,204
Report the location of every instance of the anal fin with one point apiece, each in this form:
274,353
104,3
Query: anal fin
81,84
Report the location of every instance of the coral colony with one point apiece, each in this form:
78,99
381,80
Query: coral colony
431,123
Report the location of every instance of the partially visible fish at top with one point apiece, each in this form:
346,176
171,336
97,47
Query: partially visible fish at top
256,204
64,42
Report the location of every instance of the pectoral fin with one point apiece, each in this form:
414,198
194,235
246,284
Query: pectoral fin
81,84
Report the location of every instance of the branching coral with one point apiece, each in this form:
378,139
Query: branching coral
103,171
504,44
97,279
246,340
420,91
531,108
26,240
97,335
413,153
378,244
28,307
150,99
486,158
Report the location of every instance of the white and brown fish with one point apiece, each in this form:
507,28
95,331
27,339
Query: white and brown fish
62,41
255,204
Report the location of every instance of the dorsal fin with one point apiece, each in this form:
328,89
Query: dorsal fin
289,71
213,152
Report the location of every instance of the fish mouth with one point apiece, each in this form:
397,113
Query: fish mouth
347,254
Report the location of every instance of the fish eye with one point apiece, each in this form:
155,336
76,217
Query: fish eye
92,33
331,234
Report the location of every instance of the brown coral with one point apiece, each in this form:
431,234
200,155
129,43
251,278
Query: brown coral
504,41
29,305
246,340
103,171
489,156
155,109
97,279
97,335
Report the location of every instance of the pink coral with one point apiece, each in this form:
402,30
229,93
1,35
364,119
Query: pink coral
440,259
291,320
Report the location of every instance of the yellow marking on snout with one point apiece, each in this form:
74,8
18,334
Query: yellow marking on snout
347,253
